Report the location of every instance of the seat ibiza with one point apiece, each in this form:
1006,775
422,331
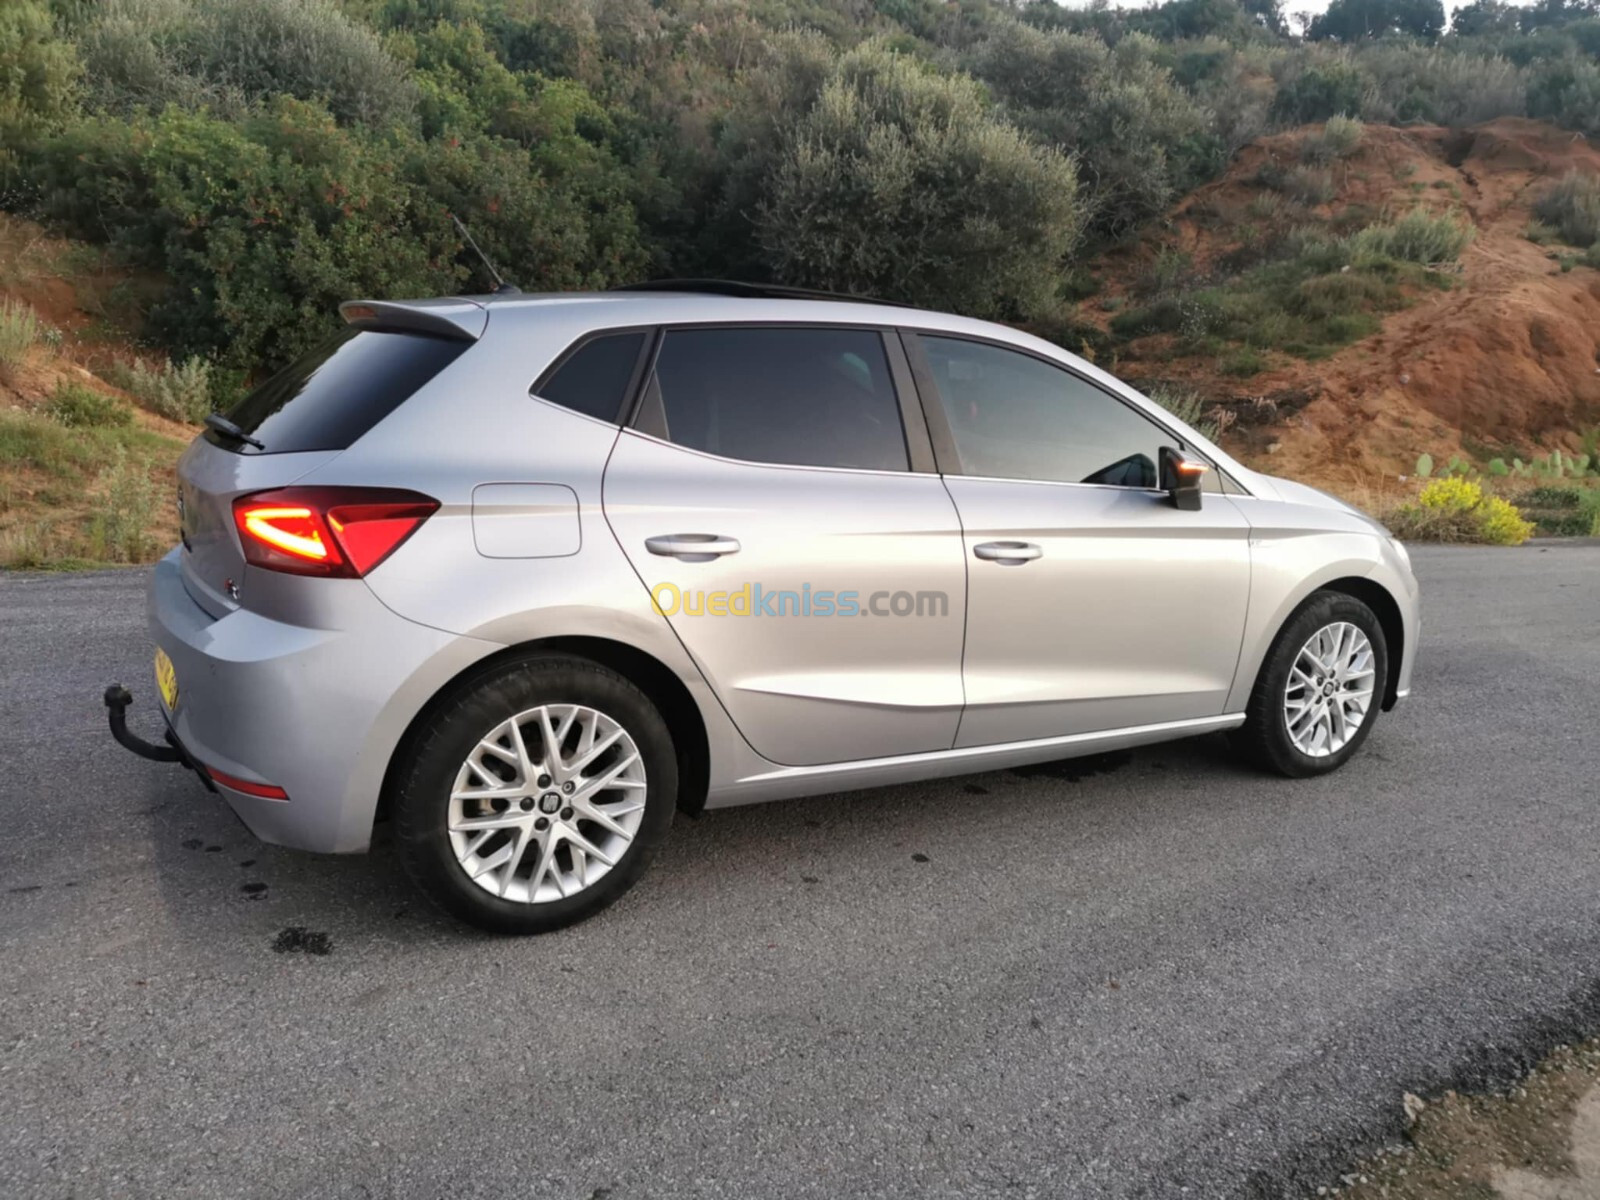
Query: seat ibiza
531,574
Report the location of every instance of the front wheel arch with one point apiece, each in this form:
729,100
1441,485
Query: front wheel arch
1384,606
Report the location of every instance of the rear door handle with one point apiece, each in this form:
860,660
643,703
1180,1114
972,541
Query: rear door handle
1008,554
692,547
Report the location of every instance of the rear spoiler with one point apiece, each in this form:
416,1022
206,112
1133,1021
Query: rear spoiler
463,320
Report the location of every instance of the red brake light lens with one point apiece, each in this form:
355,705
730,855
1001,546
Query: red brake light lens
334,532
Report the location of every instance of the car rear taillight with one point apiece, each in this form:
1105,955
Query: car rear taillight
330,531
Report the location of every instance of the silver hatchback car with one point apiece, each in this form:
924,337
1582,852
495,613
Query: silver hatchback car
530,574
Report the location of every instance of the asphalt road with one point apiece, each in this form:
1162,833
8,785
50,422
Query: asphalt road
1169,974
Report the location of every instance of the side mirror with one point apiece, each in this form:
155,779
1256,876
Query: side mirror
1180,479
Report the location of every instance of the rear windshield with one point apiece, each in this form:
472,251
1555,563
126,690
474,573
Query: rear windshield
338,391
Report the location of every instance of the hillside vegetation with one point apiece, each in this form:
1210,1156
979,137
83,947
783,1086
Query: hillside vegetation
1414,304
242,166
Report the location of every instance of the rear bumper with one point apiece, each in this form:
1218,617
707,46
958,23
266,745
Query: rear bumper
317,712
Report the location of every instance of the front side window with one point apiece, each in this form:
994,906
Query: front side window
1014,416
801,397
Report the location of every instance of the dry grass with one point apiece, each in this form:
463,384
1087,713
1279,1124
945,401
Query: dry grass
72,497
19,332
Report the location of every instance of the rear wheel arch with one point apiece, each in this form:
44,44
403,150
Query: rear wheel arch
646,672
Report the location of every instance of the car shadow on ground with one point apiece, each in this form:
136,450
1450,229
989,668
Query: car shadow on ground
216,877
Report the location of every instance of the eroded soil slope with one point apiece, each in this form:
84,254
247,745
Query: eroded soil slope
1502,362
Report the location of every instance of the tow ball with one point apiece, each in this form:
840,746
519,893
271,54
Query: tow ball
117,700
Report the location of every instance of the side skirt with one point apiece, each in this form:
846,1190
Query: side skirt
782,783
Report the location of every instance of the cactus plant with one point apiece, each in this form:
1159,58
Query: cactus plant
1424,465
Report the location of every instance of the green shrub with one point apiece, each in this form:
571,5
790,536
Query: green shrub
1446,86
1340,295
1189,406
1308,185
1416,237
19,330
1270,208
1168,270
1140,138
179,392
38,71
1572,207
127,499
79,407
1566,92
899,183
265,225
1454,509
230,53
1315,85
1243,363
1338,138
1541,234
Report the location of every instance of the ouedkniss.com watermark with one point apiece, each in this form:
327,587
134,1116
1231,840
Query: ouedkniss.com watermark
753,600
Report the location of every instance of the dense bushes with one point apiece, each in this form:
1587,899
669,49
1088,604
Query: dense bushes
899,183
1417,237
1139,138
148,52
264,225
1572,208
272,157
38,71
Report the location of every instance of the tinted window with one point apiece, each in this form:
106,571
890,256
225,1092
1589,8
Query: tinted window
1016,417
811,397
334,394
594,379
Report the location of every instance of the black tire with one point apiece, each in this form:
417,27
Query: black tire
1264,737
446,737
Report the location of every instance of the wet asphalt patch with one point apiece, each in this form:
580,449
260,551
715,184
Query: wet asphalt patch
1071,770
297,939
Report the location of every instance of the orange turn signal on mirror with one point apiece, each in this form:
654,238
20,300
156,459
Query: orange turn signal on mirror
1186,466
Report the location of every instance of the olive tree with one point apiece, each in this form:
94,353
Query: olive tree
900,182
1138,138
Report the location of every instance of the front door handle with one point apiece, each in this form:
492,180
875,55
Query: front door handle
692,547
1008,554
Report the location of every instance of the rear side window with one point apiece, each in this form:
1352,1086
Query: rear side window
803,397
340,390
594,379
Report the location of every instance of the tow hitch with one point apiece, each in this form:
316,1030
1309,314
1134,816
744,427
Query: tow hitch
117,700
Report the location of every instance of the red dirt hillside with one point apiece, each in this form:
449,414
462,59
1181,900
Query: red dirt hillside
1505,360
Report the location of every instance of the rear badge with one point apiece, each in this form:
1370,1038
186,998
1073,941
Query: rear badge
231,588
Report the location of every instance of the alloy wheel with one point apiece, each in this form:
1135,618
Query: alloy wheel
1330,689
547,803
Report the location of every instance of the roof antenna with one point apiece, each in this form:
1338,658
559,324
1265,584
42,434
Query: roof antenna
501,287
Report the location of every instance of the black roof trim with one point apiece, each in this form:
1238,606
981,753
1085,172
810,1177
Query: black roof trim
750,291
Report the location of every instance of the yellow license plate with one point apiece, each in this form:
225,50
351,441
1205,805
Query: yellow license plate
166,679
